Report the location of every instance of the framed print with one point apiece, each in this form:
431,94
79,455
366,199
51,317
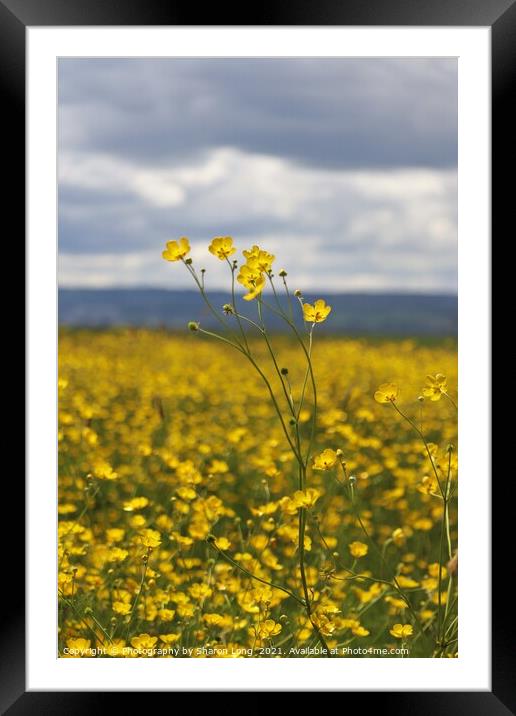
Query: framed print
259,351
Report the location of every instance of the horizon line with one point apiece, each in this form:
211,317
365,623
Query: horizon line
332,292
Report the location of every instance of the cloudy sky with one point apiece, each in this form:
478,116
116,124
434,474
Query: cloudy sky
345,169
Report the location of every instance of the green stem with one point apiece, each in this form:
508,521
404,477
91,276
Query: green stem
452,401
302,466
308,607
289,297
232,268
271,352
394,582
309,362
421,435
80,617
445,535
101,627
221,338
207,301
137,599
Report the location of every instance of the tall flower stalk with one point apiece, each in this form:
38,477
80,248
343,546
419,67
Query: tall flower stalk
254,274
442,486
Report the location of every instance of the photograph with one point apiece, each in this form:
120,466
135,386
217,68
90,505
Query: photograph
257,357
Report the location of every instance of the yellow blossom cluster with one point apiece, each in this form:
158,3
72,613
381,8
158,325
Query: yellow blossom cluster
176,483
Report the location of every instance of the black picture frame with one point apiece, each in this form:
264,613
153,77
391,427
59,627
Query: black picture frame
500,16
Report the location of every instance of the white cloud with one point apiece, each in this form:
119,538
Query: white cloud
344,229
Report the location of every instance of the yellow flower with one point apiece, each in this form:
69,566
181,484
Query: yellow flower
200,591
401,631
426,614
137,521
386,393
116,554
103,471
169,639
213,619
144,641
397,604
443,599
115,534
121,608
424,524
428,486
116,648
186,493
150,538
326,460
435,386
176,250
166,615
324,624
268,629
270,560
316,313
79,646
360,630
433,570
305,498
406,582
398,537
222,247
259,258
358,549
137,503
252,278
222,543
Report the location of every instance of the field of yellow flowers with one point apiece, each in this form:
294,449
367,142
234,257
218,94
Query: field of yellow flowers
180,508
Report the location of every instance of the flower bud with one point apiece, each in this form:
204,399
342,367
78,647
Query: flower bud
283,273
298,293
193,326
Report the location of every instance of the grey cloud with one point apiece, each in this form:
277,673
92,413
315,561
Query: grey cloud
352,162
325,112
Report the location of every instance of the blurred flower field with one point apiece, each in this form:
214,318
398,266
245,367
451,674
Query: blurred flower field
180,509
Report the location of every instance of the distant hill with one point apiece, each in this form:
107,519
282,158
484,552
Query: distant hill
353,313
